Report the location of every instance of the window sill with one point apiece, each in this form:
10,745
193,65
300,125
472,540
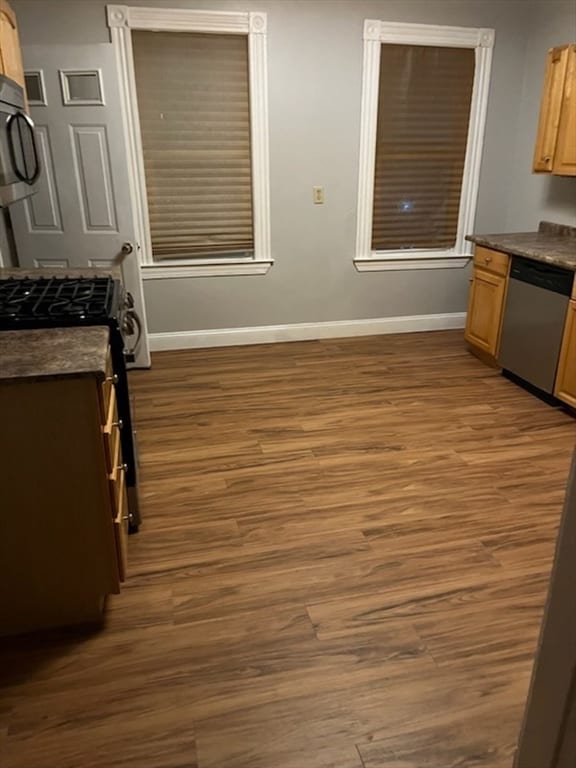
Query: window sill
205,269
393,262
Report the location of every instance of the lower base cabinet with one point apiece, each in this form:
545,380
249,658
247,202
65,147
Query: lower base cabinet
486,303
566,379
485,309
64,516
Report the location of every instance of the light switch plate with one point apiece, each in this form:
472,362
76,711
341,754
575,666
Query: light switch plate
318,195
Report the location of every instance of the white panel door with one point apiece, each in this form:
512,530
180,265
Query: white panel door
83,213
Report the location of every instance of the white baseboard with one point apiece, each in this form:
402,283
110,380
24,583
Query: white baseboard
267,334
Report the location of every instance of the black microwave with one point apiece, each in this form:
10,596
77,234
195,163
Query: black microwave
19,161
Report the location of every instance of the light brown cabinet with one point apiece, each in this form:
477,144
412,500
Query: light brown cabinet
64,521
555,150
486,303
486,300
10,53
566,379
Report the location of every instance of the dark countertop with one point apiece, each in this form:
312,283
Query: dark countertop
53,353
552,243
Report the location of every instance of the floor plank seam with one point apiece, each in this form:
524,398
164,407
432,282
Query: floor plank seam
362,763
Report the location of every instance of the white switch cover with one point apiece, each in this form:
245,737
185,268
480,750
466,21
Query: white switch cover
318,195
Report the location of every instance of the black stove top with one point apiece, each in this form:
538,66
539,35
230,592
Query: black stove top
52,302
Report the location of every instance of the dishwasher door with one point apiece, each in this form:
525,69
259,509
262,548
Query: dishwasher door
532,333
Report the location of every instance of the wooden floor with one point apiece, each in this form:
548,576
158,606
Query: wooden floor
343,564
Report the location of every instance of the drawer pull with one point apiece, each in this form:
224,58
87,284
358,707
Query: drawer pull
487,259
113,378
119,424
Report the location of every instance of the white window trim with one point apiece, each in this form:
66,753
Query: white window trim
376,33
121,20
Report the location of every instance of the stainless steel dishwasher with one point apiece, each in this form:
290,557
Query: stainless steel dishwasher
534,315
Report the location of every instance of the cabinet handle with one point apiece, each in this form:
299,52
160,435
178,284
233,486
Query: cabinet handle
113,378
487,259
119,424
122,467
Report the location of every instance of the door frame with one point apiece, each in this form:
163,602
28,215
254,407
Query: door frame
122,20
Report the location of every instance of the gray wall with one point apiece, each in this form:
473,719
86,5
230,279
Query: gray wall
315,70
536,196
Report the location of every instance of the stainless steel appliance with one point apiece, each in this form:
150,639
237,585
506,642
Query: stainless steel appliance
19,161
533,324
58,302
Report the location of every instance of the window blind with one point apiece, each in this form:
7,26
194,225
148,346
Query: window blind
194,108
424,103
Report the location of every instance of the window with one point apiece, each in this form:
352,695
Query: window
194,109
423,114
195,91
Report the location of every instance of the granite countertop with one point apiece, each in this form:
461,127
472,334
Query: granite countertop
552,243
53,353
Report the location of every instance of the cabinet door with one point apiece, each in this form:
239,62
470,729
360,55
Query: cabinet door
565,155
550,109
485,311
566,379
10,54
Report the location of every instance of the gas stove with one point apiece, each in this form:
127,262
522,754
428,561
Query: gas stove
56,302
24,302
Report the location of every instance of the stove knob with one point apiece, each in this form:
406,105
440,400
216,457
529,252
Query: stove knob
128,326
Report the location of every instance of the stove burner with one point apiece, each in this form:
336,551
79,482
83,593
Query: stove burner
58,300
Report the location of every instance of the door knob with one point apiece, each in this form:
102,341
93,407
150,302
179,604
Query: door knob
127,248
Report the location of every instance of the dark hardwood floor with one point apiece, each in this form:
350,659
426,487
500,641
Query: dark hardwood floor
343,564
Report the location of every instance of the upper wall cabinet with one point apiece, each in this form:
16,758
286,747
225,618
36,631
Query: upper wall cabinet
555,150
10,54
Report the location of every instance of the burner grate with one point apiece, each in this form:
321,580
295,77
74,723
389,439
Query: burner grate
51,301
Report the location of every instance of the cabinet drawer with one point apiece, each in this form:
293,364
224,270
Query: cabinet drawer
116,478
491,261
121,529
106,388
111,432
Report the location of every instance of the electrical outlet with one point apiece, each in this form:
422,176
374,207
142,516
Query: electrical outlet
318,195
